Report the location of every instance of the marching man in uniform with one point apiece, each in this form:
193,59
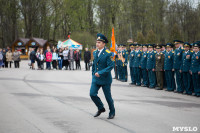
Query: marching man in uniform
101,76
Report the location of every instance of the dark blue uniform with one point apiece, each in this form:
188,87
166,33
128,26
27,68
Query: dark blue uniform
143,64
176,66
169,74
131,65
103,66
136,65
185,67
195,68
150,67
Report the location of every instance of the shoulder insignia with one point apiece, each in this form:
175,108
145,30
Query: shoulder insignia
148,52
111,57
155,52
172,51
107,51
161,53
126,52
191,51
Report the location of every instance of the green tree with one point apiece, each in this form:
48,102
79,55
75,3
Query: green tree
151,37
140,38
175,33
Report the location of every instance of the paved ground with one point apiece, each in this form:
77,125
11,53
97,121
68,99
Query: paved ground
35,101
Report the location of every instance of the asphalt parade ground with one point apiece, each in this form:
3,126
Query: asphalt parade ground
58,101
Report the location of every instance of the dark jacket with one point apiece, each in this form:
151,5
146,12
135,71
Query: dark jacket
32,55
87,56
77,56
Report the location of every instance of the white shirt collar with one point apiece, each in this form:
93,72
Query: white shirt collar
100,51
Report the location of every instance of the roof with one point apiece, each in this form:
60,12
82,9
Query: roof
23,40
40,41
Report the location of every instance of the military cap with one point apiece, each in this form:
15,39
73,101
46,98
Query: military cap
178,41
137,45
196,44
169,45
131,45
150,45
158,46
187,44
101,37
144,45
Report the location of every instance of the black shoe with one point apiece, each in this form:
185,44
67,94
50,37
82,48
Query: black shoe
132,84
158,89
111,116
99,112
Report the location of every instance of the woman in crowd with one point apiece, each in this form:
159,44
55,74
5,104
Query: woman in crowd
54,59
41,59
37,58
60,59
48,59
78,59
65,58
16,58
71,59
9,57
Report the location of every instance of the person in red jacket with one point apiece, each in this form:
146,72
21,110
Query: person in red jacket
49,59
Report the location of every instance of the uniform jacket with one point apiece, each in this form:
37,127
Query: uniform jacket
160,57
138,55
143,62
186,61
195,64
151,60
178,58
169,59
103,65
131,58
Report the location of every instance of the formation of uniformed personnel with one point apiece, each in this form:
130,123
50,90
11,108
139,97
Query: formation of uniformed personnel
159,57
101,76
179,68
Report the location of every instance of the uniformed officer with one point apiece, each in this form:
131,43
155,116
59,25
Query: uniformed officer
101,76
151,66
185,67
177,64
131,63
195,68
168,66
136,65
124,63
159,67
143,64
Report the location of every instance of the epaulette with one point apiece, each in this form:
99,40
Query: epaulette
107,51
172,51
161,53
147,51
191,51
126,52
155,52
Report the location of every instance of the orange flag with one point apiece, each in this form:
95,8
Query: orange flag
113,44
